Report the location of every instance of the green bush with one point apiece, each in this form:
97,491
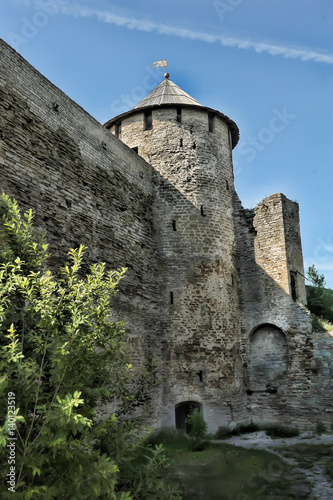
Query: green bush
143,471
197,430
320,324
61,358
222,432
247,428
173,440
282,431
320,428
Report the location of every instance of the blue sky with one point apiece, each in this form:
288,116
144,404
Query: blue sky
266,64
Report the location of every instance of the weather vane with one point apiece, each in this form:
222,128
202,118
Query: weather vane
163,63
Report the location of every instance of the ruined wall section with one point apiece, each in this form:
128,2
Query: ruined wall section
294,254
193,183
304,402
85,187
266,302
268,246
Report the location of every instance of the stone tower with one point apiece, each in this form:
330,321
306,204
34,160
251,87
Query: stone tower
190,149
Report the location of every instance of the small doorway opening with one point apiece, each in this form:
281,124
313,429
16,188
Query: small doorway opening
183,410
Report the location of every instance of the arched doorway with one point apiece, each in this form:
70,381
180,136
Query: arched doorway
182,411
268,361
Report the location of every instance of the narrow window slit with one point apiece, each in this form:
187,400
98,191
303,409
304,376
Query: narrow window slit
200,375
118,129
230,139
148,122
202,211
227,185
293,286
211,122
179,115
171,298
174,228
181,143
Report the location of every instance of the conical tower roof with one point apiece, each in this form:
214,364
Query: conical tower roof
167,92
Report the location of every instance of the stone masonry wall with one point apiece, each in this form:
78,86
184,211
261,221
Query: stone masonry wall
322,379
268,241
263,267
294,247
193,186
85,186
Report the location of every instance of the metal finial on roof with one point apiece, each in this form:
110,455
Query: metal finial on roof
166,75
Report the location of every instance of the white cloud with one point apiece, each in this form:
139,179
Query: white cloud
304,54
328,247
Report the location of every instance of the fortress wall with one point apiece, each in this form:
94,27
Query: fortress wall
85,186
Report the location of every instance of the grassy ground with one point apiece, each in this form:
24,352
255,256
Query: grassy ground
320,324
222,471
226,472
309,454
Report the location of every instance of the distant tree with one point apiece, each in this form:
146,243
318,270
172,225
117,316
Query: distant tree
320,299
62,358
317,280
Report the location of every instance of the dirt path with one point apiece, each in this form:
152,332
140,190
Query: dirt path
321,483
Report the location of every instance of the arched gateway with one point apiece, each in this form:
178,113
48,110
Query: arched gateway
183,410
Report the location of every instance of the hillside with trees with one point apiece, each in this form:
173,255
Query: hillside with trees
320,300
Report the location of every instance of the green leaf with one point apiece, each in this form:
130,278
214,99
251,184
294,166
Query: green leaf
64,358
36,470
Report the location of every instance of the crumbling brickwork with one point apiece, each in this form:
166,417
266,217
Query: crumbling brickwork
213,292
